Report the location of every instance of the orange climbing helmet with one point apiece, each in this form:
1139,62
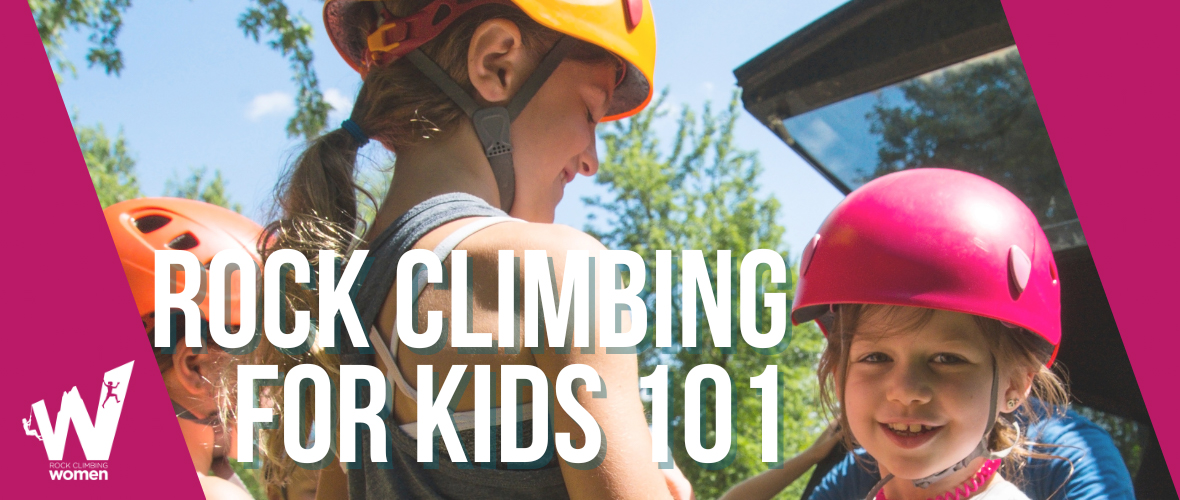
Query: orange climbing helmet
139,227
623,27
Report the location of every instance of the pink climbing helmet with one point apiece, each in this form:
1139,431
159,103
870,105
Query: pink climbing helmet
933,238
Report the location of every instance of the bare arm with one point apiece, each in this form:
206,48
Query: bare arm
769,483
216,488
626,470
678,485
333,483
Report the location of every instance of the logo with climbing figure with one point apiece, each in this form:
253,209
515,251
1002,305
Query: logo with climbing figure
96,435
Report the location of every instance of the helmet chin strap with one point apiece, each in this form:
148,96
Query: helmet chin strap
185,413
220,439
980,450
492,124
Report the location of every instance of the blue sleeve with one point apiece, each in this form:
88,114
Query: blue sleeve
1098,468
847,480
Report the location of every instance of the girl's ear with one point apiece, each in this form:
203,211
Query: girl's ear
194,371
1019,387
497,63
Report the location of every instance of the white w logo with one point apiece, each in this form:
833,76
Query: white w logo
96,437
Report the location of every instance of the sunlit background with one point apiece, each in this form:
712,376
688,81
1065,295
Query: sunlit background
195,93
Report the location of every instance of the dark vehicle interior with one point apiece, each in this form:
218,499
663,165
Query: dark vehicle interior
876,86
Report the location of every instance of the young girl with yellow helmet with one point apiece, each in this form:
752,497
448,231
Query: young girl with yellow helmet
491,108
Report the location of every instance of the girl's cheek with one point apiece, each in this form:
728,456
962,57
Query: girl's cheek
866,372
853,380
858,391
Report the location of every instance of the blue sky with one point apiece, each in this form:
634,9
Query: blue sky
195,92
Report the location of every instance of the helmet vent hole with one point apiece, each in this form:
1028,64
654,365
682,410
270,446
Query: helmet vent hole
183,242
442,13
1053,272
150,223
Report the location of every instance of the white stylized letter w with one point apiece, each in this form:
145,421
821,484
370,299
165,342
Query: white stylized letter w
96,437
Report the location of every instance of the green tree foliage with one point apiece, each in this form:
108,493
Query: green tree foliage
111,167
252,478
197,186
101,18
982,118
1126,433
703,195
374,185
291,36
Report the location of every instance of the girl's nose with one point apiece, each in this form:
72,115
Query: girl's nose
589,159
909,384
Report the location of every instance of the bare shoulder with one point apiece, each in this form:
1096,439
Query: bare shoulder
216,488
553,238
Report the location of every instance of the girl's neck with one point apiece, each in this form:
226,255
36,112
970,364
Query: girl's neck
904,489
452,163
199,440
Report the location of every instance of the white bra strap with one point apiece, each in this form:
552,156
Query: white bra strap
465,420
443,250
392,372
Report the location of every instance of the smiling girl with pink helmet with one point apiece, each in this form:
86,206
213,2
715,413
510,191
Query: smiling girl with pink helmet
939,295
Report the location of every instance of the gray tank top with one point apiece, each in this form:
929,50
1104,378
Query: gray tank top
404,476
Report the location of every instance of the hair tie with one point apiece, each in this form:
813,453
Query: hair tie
355,131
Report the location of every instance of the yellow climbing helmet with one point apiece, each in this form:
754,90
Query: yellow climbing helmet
623,27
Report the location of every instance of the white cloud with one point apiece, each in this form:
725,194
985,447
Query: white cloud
274,103
340,103
818,136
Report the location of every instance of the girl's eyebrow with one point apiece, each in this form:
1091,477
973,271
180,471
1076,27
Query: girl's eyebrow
860,343
955,338
876,337
957,335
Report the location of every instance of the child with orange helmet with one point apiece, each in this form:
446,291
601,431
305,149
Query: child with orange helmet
192,376
491,107
938,293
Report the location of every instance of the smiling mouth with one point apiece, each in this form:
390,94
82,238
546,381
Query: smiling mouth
910,435
910,429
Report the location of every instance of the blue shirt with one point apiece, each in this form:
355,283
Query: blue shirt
1098,468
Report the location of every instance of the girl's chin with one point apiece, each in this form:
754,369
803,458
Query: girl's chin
910,468
909,464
